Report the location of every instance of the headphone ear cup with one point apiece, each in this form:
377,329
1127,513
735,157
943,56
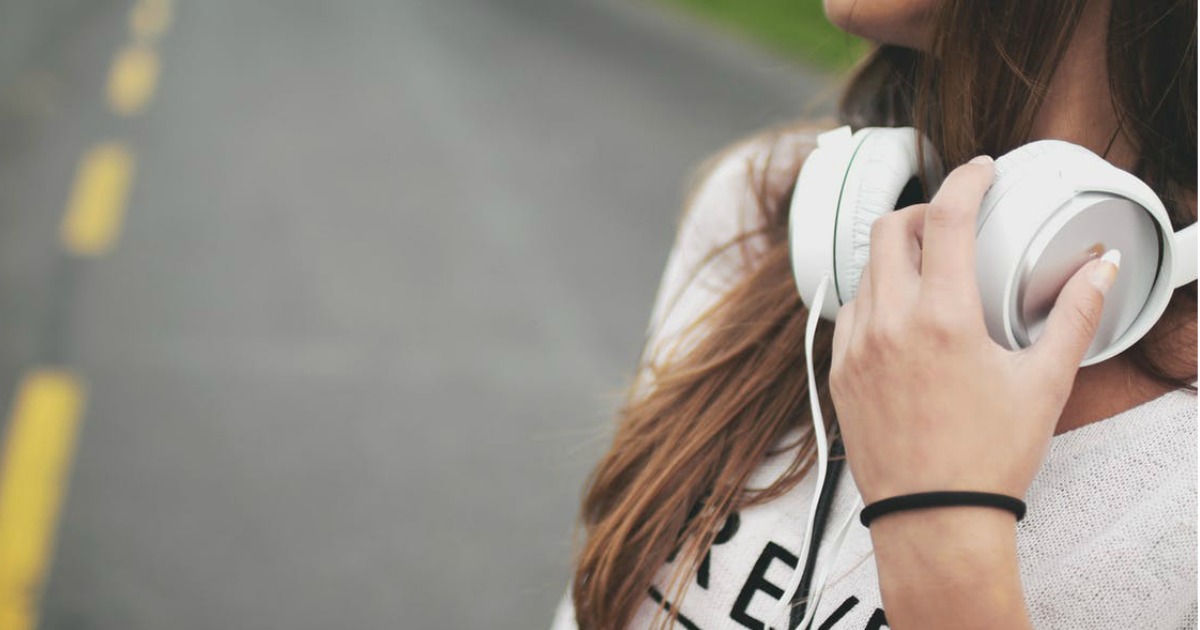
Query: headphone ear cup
884,172
1052,206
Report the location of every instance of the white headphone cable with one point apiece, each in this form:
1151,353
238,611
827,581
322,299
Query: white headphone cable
810,331
835,548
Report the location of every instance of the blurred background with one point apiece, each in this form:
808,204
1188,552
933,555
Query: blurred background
315,314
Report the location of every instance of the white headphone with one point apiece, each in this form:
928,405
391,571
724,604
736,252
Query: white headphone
1052,206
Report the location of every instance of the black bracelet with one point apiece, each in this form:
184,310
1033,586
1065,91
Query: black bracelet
939,499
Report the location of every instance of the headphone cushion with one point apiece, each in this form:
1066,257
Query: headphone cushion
883,165
1049,155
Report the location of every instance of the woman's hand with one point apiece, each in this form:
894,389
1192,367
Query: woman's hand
925,399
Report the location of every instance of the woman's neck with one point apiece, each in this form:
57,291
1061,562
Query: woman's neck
1078,109
1078,106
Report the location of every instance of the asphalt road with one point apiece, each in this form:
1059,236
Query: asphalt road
384,268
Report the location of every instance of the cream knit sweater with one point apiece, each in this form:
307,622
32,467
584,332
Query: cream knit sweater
1109,540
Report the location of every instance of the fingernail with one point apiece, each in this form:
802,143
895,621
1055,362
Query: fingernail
1105,273
982,159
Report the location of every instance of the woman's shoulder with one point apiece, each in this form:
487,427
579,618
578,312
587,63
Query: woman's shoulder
737,181
1143,458
1111,526
1127,478
734,195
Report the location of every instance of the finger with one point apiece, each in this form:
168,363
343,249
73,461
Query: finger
843,326
948,243
895,258
1073,321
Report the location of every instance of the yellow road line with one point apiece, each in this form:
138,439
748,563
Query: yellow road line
33,475
149,19
97,203
132,79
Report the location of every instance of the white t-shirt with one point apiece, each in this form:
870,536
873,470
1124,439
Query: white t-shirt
1109,539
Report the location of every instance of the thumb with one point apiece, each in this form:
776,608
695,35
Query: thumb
1076,315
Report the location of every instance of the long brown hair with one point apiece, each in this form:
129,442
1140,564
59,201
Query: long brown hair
684,450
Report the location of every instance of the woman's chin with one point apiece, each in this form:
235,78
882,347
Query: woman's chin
899,22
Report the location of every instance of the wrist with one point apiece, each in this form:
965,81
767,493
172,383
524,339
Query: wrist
949,567
966,533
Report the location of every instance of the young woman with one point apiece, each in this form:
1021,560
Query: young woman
696,515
